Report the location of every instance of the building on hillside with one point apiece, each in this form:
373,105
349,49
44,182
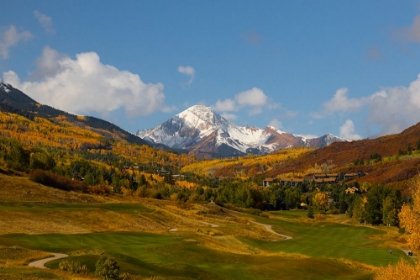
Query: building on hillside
325,175
294,182
323,181
267,182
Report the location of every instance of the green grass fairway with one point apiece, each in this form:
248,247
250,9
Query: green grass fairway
184,258
329,240
328,250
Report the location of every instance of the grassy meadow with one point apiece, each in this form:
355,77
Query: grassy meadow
150,238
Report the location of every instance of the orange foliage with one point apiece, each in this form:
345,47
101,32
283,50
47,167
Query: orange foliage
402,271
60,133
185,184
410,219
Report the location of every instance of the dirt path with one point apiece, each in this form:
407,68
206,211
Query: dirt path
269,229
406,252
41,263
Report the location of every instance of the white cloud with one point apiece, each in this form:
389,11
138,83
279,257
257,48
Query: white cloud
45,21
275,123
225,105
189,71
348,131
10,38
340,103
85,84
390,109
252,97
396,108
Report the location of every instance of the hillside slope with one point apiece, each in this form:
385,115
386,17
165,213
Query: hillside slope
14,101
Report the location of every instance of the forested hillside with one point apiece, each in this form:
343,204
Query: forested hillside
14,101
88,155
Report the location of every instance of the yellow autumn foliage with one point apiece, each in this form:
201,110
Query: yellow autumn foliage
185,184
402,271
410,220
243,167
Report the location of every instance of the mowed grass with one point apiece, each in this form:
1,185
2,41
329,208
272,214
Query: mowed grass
328,240
45,207
176,257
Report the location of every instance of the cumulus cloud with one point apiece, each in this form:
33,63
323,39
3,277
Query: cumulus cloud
189,71
45,21
85,84
390,109
341,103
254,99
348,131
10,37
227,105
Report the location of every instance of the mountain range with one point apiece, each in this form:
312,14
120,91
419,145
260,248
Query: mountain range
15,101
198,130
205,134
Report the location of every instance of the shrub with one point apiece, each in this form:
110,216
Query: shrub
310,213
56,181
73,267
107,268
99,189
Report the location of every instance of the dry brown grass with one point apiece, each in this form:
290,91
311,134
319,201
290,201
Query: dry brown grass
21,189
17,256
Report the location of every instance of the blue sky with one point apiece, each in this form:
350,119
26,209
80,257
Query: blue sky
350,68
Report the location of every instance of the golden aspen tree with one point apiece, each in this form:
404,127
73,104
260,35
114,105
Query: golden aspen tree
410,220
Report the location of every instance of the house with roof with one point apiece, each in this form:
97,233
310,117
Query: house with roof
267,182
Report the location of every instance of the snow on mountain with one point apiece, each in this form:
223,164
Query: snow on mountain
201,130
5,87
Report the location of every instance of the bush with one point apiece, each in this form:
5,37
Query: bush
107,268
73,267
310,213
99,189
56,181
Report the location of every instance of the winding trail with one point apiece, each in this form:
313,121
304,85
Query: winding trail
269,229
41,263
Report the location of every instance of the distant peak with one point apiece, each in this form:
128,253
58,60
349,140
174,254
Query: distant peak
198,108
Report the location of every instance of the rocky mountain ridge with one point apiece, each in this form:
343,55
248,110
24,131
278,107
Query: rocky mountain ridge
204,133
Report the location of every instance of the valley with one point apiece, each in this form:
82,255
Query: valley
137,234
85,188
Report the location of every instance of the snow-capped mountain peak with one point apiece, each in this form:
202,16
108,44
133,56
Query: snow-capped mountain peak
203,132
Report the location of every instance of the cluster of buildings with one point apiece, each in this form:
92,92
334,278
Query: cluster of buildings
317,178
